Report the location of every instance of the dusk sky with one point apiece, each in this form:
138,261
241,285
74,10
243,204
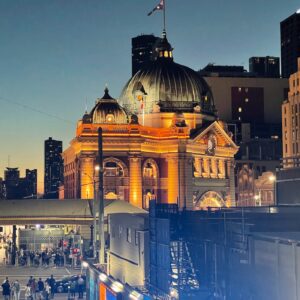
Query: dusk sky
54,54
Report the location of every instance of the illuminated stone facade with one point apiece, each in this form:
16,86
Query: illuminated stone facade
291,123
170,148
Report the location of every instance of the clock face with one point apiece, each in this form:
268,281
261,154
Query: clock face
211,144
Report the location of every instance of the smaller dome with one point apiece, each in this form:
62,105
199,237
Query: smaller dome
108,111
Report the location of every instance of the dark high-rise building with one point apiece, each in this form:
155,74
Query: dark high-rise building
143,50
290,44
267,66
31,182
2,189
12,178
53,168
19,188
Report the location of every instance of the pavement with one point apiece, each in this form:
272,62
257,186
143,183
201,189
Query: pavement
23,274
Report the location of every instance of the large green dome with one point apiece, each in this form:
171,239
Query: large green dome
171,86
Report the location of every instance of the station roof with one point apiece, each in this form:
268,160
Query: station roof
55,211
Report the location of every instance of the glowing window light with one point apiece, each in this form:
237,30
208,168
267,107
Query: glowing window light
109,118
103,277
117,287
166,54
134,295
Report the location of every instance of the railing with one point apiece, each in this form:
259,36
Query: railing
291,162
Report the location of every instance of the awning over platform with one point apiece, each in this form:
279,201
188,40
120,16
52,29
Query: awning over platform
55,211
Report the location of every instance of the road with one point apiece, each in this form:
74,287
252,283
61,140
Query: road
23,273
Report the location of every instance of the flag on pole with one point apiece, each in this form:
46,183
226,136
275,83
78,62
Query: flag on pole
159,6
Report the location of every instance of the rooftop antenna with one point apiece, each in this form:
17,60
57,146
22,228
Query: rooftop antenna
8,161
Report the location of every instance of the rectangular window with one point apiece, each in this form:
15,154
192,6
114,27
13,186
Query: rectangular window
113,231
285,147
128,233
136,237
120,231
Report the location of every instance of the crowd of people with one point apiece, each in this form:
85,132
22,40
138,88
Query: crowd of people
39,289
34,290
41,258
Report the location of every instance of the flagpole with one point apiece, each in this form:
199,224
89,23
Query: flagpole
164,7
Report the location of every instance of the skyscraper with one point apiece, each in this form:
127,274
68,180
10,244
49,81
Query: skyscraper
267,66
53,168
31,182
290,44
143,50
12,178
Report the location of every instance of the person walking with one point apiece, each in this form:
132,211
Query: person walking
73,289
16,288
80,283
28,292
47,291
6,289
51,282
41,287
33,288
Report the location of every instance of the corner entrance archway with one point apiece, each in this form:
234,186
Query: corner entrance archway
209,199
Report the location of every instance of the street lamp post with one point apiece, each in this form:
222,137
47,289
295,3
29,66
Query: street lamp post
94,215
101,198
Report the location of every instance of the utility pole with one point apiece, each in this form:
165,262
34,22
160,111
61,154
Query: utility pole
101,198
14,245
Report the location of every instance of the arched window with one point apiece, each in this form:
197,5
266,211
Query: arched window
114,168
150,169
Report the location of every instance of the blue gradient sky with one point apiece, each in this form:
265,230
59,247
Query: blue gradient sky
56,53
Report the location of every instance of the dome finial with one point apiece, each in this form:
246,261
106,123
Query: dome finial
106,90
86,109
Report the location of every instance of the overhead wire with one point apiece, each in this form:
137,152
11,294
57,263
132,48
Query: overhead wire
35,110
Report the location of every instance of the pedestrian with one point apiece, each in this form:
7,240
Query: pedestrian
30,280
51,282
41,287
16,288
33,288
73,288
47,291
6,289
80,283
28,292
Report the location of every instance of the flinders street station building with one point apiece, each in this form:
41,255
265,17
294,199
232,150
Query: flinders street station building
161,140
